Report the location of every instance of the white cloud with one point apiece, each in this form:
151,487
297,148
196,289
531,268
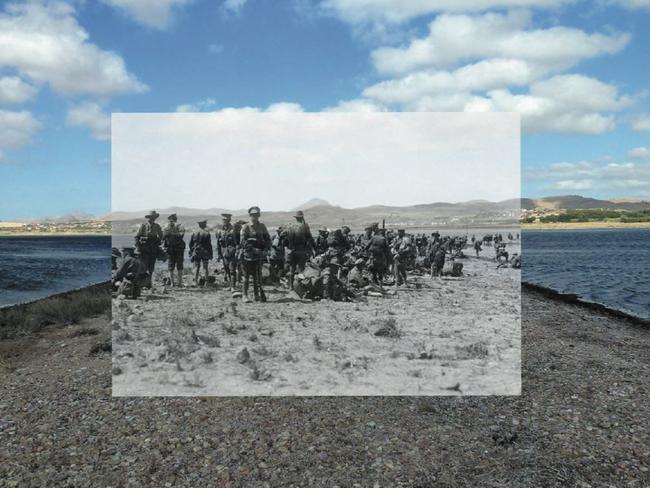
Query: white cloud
356,105
157,14
459,38
395,11
233,6
92,116
641,123
631,178
45,43
15,90
17,128
639,153
208,104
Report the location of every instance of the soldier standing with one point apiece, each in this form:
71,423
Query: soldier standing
276,257
438,262
300,245
227,249
256,243
174,244
402,249
477,247
201,250
379,251
147,242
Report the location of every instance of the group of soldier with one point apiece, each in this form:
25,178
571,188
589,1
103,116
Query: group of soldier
329,265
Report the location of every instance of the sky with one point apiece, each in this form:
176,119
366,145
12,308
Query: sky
279,160
575,71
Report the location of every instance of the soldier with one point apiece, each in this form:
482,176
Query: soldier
477,247
132,274
337,246
321,240
438,262
174,245
378,248
300,245
147,242
276,257
356,277
227,249
256,243
401,249
201,251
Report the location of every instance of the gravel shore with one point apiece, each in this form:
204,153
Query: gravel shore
581,420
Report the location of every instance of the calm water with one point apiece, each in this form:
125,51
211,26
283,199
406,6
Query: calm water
611,267
35,267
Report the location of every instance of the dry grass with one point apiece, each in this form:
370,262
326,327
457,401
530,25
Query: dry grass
64,309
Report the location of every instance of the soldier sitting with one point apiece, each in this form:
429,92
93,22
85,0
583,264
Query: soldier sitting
131,275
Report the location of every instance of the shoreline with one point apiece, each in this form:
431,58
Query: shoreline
585,225
61,294
53,234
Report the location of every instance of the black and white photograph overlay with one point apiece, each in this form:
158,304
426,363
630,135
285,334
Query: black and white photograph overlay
292,253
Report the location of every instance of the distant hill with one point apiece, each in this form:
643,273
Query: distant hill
438,214
314,202
574,202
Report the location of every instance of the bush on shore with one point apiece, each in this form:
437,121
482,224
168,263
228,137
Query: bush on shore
64,309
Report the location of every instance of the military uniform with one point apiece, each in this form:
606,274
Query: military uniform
130,276
147,241
438,262
174,244
300,244
227,251
379,251
201,247
276,256
402,253
255,243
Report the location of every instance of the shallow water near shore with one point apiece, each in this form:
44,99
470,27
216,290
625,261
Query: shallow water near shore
37,267
606,266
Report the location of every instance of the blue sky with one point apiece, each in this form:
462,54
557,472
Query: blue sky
574,70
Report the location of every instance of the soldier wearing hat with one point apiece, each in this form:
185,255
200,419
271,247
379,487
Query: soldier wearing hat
256,243
201,250
378,248
227,238
174,245
402,249
300,245
148,240
131,275
321,240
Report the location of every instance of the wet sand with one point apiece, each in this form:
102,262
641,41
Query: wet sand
446,336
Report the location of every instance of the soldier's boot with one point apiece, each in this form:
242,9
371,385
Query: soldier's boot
245,297
256,289
171,278
180,278
262,295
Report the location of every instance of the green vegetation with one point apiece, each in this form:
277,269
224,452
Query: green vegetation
64,309
594,215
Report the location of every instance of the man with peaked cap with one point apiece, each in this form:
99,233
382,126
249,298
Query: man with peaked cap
148,240
256,243
201,250
174,245
300,246
227,238
401,249
378,248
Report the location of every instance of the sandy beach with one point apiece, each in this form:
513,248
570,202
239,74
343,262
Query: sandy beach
446,336
581,420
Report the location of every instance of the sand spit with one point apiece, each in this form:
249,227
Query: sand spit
581,420
446,336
